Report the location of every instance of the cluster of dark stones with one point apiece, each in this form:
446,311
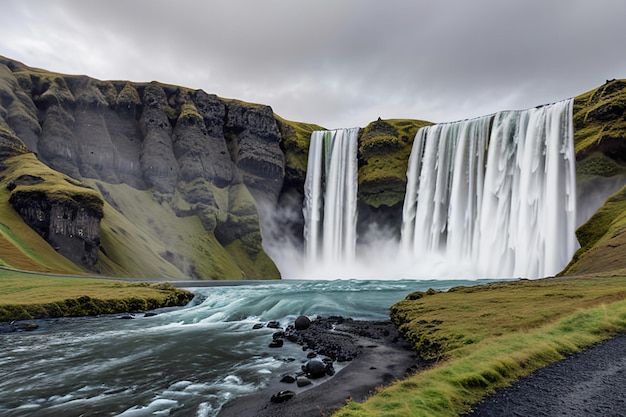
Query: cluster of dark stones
131,316
325,342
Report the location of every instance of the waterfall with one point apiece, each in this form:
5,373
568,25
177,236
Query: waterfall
496,192
330,195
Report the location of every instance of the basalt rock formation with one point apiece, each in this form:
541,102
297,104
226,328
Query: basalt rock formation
186,152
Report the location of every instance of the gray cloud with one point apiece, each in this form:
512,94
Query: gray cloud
335,63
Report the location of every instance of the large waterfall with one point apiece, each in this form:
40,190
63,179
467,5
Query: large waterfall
330,197
496,192
490,197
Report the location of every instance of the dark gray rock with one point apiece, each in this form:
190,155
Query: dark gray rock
273,324
303,381
254,141
277,343
302,323
314,369
71,227
288,379
282,396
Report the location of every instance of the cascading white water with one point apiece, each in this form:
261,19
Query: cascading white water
330,196
496,192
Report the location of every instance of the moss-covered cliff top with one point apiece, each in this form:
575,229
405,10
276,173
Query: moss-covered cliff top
24,175
384,149
600,125
296,137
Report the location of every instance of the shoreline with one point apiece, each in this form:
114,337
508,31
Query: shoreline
383,357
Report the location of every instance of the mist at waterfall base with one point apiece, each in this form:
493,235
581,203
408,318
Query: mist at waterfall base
492,197
181,362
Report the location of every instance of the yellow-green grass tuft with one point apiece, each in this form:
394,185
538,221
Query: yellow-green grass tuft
28,295
296,138
490,335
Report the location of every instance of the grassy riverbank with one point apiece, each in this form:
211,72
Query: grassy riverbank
26,296
482,338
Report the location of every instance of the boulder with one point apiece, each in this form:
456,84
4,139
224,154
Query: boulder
303,381
288,379
282,396
277,343
314,369
302,323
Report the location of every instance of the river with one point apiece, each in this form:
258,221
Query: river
182,362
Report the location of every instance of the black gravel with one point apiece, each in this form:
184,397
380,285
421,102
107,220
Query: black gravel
372,354
591,383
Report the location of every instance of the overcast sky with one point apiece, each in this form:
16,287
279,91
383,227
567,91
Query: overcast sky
337,63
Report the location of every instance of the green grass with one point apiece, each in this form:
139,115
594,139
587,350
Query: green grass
384,149
485,337
296,138
600,237
598,116
27,295
20,246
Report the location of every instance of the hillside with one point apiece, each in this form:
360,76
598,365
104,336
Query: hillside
172,172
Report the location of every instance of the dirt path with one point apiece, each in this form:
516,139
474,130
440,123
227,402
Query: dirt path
591,383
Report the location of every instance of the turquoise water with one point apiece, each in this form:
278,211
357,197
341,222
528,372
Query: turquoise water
182,362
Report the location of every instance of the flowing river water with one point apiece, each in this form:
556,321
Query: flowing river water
181,362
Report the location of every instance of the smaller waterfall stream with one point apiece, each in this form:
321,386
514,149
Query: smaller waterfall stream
330,196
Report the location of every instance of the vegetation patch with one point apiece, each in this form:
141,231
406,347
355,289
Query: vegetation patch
384,149
600,121
485,337
26,177
296,138
26,296
600,239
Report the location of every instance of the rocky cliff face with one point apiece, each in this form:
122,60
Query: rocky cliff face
195,152
72,229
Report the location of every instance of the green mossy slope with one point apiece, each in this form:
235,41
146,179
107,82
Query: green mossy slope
600,143
384,149
20,246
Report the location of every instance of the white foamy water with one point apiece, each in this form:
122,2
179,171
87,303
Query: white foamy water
497,192
491,197
331,196
182,362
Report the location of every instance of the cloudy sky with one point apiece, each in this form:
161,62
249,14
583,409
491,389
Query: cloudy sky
337,63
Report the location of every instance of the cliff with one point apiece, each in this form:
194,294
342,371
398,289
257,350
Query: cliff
600,140
171,174
159,181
